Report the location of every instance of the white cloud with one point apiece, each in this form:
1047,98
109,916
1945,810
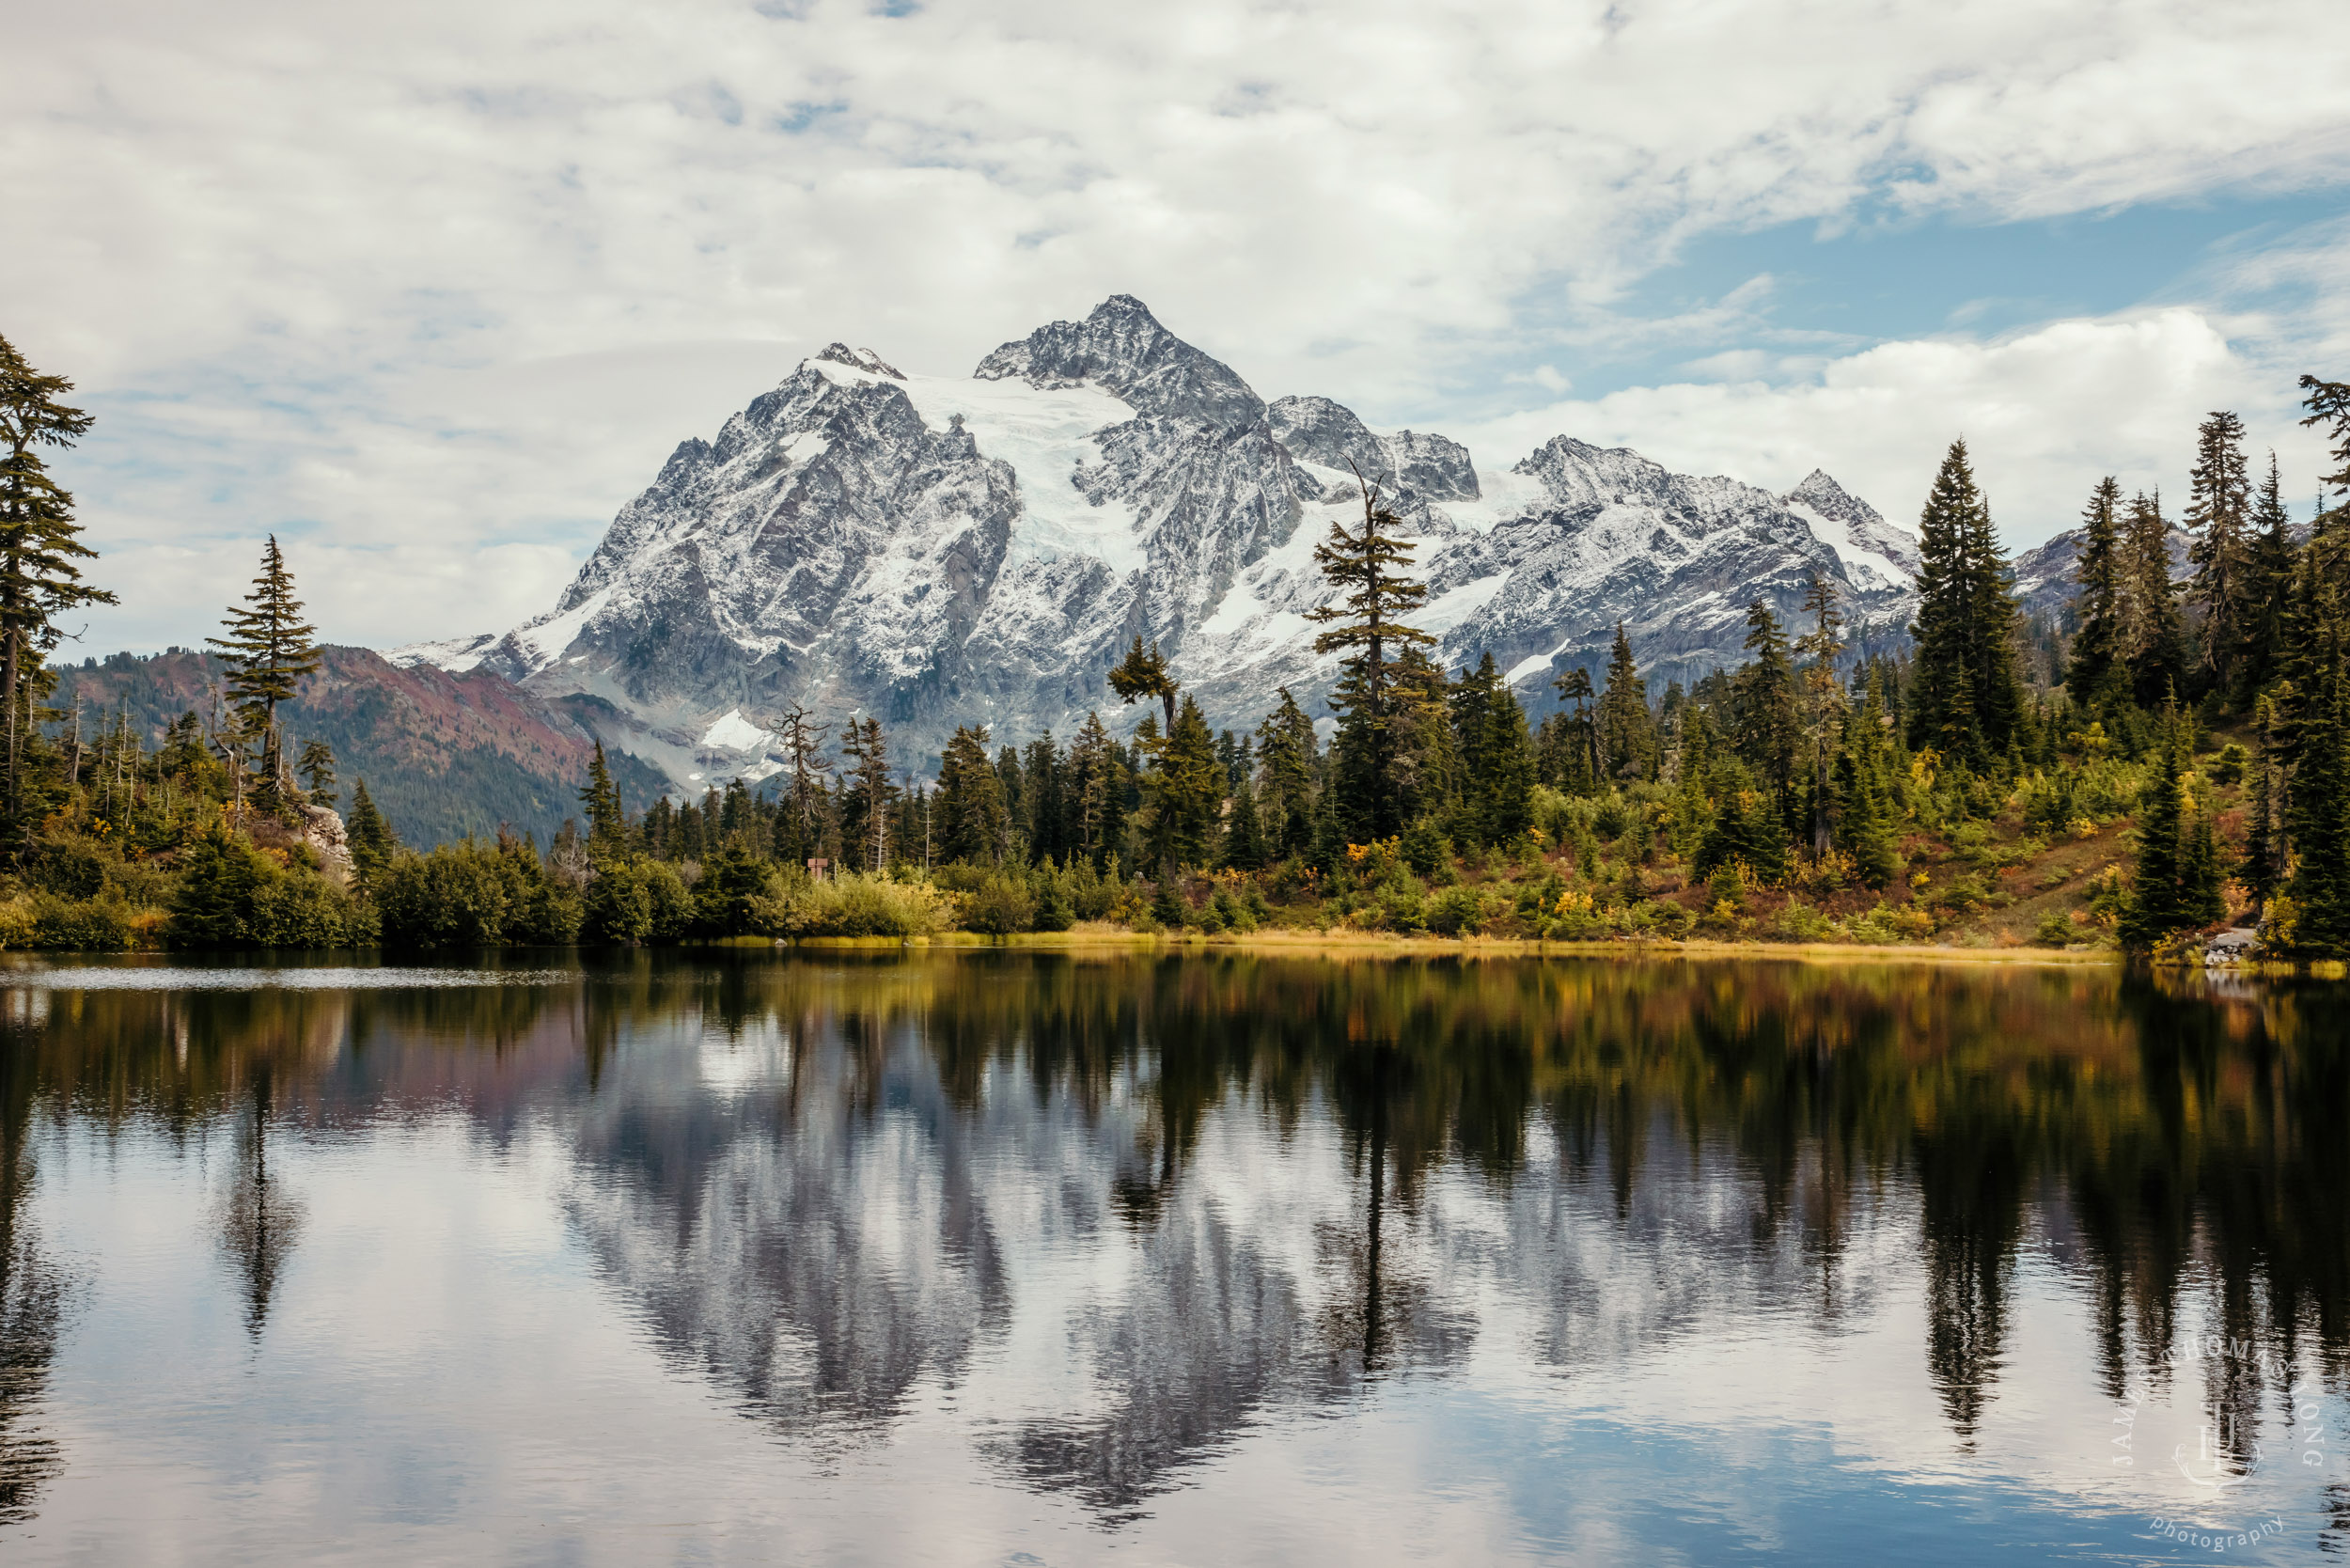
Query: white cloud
2043,412
424,284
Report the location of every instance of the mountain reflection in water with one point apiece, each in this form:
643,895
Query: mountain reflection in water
1129,1210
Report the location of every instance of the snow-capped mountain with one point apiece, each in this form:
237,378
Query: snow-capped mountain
940,551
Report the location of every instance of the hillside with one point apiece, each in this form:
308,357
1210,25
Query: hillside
444,755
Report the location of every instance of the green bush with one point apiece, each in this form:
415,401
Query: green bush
1425,848
2055,930
98,925
1001,906
70,867
635,901
231,895
1458,911
863,904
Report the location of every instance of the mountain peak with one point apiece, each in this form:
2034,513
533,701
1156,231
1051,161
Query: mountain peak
1122,349
860,359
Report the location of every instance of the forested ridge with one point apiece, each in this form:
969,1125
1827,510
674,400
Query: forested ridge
2166,758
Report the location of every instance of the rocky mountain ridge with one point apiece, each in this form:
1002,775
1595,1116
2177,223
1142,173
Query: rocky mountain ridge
939,550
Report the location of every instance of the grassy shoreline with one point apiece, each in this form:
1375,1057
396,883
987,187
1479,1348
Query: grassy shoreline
1382,944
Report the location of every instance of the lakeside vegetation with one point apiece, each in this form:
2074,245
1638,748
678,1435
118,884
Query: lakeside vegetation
2166,759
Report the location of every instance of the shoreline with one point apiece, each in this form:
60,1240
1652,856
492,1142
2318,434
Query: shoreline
1379,944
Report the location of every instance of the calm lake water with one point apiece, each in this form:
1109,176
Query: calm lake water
995,1257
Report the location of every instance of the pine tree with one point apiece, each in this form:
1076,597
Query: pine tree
2219,513
1095,791
607,821
1581,776
370,837
2268,584
269,647
2319,818
2329,403
316,769
2175,881
1823,707
1286,752
2263,849
1182,794
2156,638
1243,829
1046,821
1763,706
1627,731
869,792
2096,667
1142,674
1367,567
1867,831
1967,702
1495,752
39,540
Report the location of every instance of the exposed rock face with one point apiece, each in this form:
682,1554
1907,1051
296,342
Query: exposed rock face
939,551
322,830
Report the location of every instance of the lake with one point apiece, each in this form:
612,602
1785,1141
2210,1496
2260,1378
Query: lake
999,1257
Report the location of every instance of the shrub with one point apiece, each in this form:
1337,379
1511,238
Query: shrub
1001,906
635,901
20,921
470,895
859,904
1666,918
1800,922
733,884
2054,931
2228,767
1425,848
69,868
1458,911
81,925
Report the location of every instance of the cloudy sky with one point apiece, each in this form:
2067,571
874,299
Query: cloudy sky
431,288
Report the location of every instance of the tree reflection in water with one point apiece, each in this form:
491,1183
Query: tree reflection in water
1179,1197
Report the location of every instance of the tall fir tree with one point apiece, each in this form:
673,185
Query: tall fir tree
2319,821
267,647
1142,674
1967,700
2267,587
608,819
1763,709
1627,730
1824,707
2218,514
1579,771
371,839
1368,568
867,794
970,800
2156,633
2096,670
1495,753
41,542
1183,796
1287,750
2264,847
